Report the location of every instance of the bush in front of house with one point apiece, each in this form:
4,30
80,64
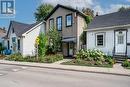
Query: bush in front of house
52,58
91,55
126,63
92,58
15,57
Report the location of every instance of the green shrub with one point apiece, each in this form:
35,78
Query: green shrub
53,58
16,57
98,63
90,55
110,60
126,63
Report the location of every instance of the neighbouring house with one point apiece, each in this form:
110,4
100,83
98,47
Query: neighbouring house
21,37
110,33
70,23
2,34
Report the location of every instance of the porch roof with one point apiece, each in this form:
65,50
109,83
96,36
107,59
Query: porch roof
72,39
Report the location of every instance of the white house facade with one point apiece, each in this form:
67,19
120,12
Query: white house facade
21,37
110,33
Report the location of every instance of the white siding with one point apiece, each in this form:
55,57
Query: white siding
128,41
29,40
109,41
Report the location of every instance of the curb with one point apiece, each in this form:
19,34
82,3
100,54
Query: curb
119,74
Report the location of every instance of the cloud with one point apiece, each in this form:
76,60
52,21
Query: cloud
93,4
73,3
112,8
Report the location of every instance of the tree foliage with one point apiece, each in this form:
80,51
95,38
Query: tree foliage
83,38
123,9
42,11
42,45
54,40
88,12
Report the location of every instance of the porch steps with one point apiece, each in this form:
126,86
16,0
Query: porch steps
120,58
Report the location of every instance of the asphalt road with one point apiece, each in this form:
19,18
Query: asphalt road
20,76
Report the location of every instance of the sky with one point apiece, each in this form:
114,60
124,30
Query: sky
24,9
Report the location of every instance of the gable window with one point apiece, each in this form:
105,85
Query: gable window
68,20
100,39
59,23
51,23
13,39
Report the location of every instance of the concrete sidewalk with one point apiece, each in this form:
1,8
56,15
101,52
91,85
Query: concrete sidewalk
115,71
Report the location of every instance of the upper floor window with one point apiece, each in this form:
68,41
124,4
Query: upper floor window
51,23
68,20
100,39
59,23
13,39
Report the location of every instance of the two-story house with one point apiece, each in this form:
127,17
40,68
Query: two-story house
70,23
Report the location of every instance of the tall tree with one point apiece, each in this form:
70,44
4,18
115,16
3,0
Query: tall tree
123,9
42,43
88,12
89,16
54,40
42,11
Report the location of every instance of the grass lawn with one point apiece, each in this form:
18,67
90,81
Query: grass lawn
88,63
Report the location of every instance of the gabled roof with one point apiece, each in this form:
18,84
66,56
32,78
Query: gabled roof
65,7
20,28
109,20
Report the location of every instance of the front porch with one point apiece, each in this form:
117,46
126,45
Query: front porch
69,47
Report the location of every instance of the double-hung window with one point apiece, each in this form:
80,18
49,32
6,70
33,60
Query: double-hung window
100,39
59,23
69,20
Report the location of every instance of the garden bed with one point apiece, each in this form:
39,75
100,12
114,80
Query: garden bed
87,63
2,56
95,58
45,59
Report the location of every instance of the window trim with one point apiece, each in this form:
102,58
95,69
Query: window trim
57,23
50,20
104,39
71,20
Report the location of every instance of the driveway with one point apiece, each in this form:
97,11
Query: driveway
19,76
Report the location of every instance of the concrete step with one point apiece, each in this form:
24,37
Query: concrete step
120,58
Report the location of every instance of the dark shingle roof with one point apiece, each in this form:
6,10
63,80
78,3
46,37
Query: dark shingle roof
20,28
65,7
112,19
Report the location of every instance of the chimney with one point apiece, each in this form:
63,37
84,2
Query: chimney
97,14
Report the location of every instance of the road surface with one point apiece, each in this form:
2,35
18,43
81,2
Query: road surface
21,76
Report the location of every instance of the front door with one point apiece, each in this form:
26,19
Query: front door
120,42
70,49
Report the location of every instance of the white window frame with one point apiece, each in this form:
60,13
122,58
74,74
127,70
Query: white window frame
103,39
